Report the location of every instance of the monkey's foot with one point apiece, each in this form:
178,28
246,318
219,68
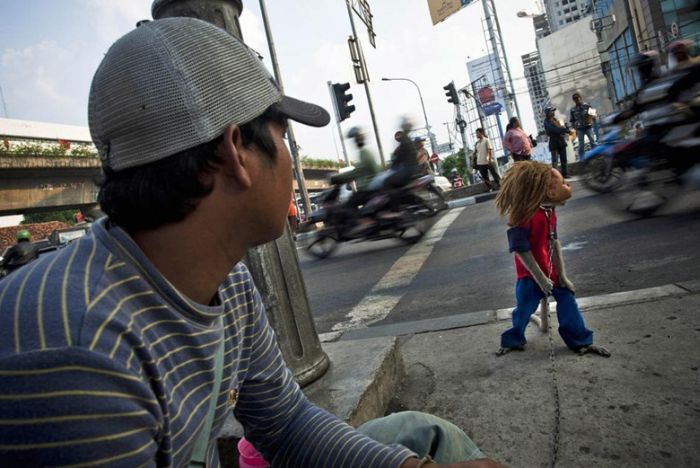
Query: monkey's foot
503,351
599,350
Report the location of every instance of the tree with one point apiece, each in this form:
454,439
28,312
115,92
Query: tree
455,161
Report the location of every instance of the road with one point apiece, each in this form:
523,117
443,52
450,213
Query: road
463,264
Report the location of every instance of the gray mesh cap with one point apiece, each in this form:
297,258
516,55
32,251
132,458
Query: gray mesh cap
175,83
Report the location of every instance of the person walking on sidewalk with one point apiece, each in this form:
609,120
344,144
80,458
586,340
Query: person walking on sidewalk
582,118
558,134
517,142
529,195
132,345
484,160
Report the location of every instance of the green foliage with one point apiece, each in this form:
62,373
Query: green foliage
455,161
65,216
50,150
320,163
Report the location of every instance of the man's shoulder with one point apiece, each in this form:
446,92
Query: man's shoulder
50,296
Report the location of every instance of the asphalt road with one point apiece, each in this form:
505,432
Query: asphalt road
469,268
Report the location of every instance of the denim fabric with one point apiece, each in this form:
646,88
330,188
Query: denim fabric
571,327
559,156
424,434
580,133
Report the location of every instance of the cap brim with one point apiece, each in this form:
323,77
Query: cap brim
304,112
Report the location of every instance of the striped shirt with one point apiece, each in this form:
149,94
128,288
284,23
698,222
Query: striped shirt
103,362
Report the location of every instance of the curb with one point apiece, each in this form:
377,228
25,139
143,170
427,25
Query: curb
470,319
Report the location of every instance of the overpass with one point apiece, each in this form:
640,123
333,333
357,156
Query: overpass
49,167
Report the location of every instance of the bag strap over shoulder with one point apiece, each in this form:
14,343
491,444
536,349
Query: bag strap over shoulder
199,454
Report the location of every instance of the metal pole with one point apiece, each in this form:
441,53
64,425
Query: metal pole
299,171
369,97
433,144
340,130
275,265
497,45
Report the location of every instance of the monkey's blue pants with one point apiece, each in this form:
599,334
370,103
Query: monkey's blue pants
527,297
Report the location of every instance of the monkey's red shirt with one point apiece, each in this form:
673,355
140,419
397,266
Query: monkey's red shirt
533,235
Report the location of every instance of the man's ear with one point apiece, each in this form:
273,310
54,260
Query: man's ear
235,158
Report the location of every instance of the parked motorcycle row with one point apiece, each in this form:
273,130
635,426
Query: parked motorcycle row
402,213
642,174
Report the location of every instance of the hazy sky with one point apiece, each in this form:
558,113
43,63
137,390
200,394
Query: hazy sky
49,50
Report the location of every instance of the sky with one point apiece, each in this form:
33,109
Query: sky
49,50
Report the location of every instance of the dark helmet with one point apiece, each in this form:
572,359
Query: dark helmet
355,131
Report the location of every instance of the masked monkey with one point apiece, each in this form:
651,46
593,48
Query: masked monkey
530,191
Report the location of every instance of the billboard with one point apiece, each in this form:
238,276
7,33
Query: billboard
441,9
487,83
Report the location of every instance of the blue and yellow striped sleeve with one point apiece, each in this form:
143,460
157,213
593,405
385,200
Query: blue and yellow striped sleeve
73,407
288,429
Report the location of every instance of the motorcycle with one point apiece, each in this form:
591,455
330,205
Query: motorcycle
643,174
403,213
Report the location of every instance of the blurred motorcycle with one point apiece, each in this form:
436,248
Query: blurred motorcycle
403,213
645,173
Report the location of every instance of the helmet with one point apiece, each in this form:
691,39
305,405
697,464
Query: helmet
418,139
23,235
354,131
454,170
548,110
681,45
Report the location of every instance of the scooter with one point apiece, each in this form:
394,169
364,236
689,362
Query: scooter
401,213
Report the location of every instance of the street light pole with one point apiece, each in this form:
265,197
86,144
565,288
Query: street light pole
369,97
299,172
433,144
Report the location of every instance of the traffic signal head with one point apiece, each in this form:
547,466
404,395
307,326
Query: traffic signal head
342,101
451,93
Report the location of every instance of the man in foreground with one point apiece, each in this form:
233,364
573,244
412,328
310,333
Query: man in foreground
131,344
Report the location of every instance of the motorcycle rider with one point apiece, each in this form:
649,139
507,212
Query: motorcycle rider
21,253
363,173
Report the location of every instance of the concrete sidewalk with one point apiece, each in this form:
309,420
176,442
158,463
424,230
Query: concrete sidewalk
638,408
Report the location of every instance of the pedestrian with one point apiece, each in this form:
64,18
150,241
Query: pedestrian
130,346
422,157
292,216
558,134
20,254
435,162
680,51
582,117
484,160
517,142
529,195
455,179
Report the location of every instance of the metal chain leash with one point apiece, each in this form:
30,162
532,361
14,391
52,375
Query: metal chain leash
555,381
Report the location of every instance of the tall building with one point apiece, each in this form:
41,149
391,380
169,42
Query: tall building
536,86
561,13
541,25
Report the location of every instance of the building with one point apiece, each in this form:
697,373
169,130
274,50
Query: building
536,86
541,25
562,13
571,63
626,27
617,45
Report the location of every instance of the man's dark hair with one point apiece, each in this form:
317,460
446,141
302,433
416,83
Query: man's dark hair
166,191
513,121
575,95
481,130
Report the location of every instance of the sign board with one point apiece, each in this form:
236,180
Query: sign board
444,148
441,9
487,84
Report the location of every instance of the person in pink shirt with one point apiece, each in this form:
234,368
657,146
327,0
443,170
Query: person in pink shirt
517,142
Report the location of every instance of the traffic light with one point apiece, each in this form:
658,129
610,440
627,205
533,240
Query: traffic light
342,101
451,93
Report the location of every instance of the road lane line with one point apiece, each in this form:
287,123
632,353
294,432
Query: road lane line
384,296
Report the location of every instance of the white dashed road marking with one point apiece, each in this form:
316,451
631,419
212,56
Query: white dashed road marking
385,294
